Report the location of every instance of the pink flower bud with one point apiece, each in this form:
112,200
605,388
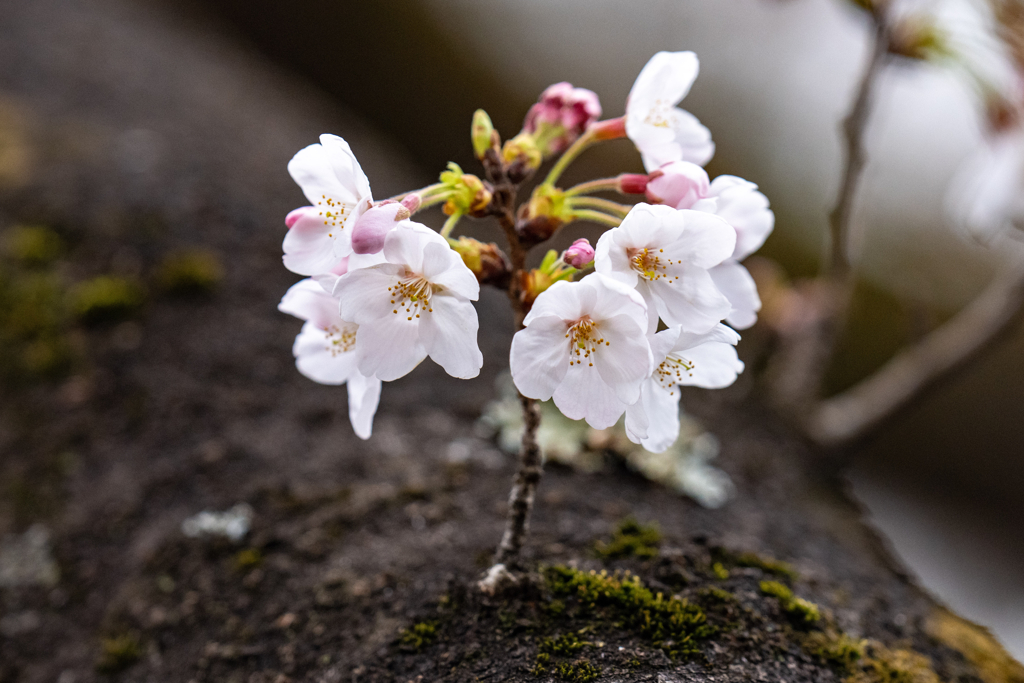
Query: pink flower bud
580,254
370,229
633,183
412,202
302,212
679,184
561,105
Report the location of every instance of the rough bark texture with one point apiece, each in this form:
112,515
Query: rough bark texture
133,134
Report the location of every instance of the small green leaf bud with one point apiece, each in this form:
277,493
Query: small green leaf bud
483,134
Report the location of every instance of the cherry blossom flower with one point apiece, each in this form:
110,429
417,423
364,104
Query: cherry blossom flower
325,351
584,345
706,360
660,130
737,201
332,180
415,304
666,254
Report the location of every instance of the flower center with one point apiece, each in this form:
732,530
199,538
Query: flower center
651,263
584,341
671,372
410,296
660,115
334,213
340,339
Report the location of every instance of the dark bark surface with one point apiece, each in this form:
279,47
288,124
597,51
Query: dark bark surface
133,135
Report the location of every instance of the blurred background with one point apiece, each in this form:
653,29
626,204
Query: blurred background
945,481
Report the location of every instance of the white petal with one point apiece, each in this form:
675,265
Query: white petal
603,298
663,342
318,358
389,348
692,301
637,422
715,365
667,77
693,138
719,333
448,334
611,260
443,266
583,395
540,356
624,360
706,241
363,398
736,283
662,409
345,166
363,294
743,207
561,300
309,246
307,300
406,243
650,225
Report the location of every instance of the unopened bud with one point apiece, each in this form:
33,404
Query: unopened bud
482,133
372,227
487,261
561,115
580,254
679,184
522,148
632,183
412,202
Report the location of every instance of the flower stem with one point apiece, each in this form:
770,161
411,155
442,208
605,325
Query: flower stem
423,192
450,224
599,185
596,217
582,142
611,207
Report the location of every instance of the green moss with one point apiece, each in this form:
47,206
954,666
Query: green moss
33,245
672,624
716,595
802,612
767,564
118,653
190,273
562,646
837,649
777,590
894,666
105,299
540,665
631,538
419,635
578,672
720,572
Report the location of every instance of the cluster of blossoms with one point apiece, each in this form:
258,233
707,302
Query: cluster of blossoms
385,292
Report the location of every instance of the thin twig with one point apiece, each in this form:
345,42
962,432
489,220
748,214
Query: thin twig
805,358
837,266
859,411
